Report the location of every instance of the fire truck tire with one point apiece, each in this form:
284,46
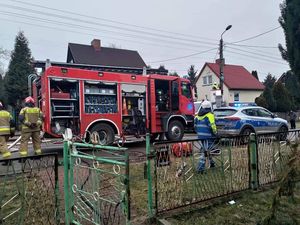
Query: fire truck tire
106,133
175,131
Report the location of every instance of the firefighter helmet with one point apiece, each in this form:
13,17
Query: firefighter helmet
206,104
29,99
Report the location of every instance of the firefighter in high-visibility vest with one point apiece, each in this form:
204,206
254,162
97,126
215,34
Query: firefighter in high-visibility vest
31,119
6,129
206,130
215,86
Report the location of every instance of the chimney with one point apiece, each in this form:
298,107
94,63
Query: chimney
96,44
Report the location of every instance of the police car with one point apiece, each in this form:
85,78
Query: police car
247,119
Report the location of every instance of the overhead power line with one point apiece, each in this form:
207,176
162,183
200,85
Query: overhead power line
35,18
252,46
114,27
252,37
92,34
110,21
256,53
255,36
256,57
182,57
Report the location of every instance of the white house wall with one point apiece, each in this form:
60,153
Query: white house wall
244,95
204,91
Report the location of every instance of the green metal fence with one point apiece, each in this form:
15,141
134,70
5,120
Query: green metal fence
241,163
273,154
178,183
29,190
96,184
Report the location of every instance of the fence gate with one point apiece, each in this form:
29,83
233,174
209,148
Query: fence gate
29,190
96,185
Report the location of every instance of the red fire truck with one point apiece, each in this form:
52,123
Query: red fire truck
113,104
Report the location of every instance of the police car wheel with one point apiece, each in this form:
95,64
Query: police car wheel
283,133
175,131
246,133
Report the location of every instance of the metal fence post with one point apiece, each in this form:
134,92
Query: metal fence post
56,189
128,215
150,194
66,181
253,162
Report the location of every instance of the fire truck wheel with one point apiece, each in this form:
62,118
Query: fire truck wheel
175,131
106,133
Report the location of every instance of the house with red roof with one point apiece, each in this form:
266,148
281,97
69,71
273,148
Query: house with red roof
239,84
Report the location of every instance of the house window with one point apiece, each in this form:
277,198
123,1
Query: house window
205,80
236,96
210,79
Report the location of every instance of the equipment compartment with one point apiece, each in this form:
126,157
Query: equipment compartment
100,97
64,101
133,109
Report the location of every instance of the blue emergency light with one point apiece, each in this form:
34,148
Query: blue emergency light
241,104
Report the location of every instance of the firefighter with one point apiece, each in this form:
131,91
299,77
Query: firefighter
6,130
31,119
206,130
215,86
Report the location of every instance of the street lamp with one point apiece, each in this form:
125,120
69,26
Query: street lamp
222,60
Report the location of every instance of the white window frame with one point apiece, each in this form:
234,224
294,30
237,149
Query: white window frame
205,81
210,79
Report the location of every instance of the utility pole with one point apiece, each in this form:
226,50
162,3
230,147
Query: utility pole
221,67
222,62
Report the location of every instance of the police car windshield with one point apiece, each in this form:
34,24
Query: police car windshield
224,112
197,106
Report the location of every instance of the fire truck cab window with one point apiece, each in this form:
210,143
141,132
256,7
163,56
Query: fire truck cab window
100,97
175,95
186,90
162,95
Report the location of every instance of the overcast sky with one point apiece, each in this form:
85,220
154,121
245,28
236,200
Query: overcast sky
164,32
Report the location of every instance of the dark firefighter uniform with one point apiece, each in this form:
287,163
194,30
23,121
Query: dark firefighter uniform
6,130
31,118
206,130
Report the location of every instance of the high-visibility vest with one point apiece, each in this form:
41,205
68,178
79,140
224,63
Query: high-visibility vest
33,116
5,119
205,126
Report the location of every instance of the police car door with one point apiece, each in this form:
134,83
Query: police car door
268,124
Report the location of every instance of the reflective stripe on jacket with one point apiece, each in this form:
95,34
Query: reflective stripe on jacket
32,116
205,126
5,119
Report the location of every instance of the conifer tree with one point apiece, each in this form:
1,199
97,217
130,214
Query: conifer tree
20,66
192,77
282,98
289,21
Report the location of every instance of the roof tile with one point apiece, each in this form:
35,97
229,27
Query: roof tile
237,77
86,54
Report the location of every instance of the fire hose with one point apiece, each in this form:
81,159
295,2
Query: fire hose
19,138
